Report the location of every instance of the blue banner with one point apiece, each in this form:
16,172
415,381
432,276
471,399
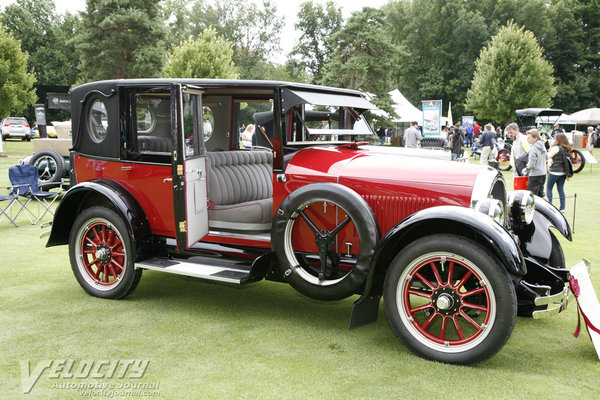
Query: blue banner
432,114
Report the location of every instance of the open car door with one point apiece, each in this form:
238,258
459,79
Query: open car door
189,166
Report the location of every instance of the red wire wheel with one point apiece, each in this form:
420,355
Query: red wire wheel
101,254
448,299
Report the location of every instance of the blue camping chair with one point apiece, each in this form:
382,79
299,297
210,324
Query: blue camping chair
6,209
24,179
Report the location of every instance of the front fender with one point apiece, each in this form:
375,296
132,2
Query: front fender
535,238
452,220
99,192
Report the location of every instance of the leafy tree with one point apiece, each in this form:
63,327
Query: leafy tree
209,56
510,73
46,37
587,12
177,17
253,31
318,25
121,39
364,57
16,84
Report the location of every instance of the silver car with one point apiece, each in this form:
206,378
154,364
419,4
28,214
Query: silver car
16,127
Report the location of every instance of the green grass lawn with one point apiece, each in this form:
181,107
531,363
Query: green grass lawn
206,340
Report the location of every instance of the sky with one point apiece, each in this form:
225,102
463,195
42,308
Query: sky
286,8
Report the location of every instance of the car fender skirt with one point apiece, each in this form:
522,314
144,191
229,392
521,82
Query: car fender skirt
99,192
318,267
452,220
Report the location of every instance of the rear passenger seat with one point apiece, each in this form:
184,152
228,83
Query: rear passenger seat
240,190
157,144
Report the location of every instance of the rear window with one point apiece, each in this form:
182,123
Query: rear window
16,121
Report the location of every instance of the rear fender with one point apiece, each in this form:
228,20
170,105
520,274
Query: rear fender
106,193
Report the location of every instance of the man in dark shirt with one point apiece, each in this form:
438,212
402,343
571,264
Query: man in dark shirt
486,143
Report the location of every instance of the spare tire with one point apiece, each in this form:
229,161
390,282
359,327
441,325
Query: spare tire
51,166
324,235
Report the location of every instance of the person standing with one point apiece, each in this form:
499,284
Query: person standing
592,135
486,143
559,151
520,148
381,134
476,129
412,136
536,164
469,135
456,138
556,130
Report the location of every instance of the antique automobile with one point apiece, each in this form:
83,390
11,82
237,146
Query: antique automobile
161,181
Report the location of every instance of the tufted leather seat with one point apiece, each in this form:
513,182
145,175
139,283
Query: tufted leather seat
154,144
240,190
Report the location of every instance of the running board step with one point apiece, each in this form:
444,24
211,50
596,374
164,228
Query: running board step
222,271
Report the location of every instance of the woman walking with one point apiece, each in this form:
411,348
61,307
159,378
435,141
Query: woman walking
558,173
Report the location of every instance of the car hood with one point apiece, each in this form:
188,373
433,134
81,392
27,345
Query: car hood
340,163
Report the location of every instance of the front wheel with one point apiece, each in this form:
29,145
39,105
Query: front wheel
448,299
101,254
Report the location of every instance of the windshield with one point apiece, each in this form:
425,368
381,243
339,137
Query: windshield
326,124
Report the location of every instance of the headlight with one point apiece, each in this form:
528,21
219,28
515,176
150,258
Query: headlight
492,207
521,204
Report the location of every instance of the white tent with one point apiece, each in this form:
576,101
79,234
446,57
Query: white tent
404,108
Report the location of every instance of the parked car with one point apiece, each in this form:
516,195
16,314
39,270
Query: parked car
454,255
16,127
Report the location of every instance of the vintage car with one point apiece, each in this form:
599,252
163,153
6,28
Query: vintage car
161,181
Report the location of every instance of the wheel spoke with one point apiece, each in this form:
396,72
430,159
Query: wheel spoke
421,308
450,272
472,292
425,281
438,278
463,280
475,306
429,321
443,328
109,239
458,328
469,319
419,293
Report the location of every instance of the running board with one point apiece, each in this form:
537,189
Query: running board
198,267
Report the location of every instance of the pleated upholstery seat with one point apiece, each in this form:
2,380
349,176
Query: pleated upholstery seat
240,190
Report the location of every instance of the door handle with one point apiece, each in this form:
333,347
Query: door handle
169,179
128,168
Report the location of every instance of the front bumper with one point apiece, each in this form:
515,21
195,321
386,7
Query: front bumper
549,305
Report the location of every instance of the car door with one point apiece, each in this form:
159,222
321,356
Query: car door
189,166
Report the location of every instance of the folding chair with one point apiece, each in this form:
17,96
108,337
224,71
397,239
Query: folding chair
24,179
6,211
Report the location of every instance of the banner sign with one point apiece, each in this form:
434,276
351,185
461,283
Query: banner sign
432,114
468,120
61,101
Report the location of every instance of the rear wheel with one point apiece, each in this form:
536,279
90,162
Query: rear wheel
447,299
101,254
503,159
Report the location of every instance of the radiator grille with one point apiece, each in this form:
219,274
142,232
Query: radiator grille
389,210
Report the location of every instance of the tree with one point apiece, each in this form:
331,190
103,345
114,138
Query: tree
46,37
209,56
16,84
510,73
254,32
121,39
364,58
318,25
